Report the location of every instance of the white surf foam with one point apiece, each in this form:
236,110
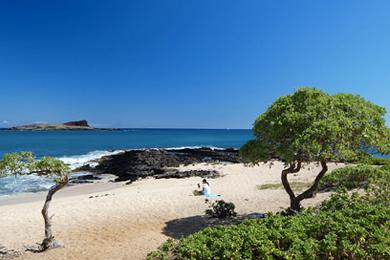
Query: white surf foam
24,184
90,158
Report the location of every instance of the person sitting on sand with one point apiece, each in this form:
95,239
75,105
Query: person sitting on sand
205,187
206,191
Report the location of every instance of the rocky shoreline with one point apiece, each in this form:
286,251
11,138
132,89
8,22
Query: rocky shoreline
160,163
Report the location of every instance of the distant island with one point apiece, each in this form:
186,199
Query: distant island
71,125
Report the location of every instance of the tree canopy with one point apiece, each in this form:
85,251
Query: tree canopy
311,125
25,163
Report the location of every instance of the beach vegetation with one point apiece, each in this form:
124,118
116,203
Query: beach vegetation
377,161
352,177
313,126
221,209
25,163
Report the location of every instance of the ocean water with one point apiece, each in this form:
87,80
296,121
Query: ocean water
79,147
70,143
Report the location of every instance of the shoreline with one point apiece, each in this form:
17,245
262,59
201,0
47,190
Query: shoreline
68,191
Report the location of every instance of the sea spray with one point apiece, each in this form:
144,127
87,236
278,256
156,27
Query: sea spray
76,161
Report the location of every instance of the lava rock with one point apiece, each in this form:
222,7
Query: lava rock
87,178
77,123
186,174
134,164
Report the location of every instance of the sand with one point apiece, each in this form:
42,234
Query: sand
118,221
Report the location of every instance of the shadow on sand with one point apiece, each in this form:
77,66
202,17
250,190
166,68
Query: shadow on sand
178,228
181,227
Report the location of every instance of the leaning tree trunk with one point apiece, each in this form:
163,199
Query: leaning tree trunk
295,201
49,241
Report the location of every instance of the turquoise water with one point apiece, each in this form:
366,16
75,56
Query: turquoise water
71,143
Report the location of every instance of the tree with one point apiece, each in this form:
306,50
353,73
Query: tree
24,163
312,126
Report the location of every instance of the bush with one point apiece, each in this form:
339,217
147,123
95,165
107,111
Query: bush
377,161
346,227
221,209
386,168
350,177
378,188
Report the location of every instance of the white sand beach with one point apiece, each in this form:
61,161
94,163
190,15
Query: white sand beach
118,221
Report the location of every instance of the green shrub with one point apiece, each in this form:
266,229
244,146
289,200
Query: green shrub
386,168
346,227
377,161
221,209
378,188
350,177
165,251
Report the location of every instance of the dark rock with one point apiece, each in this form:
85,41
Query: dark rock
134,164
186,174
84,168
77,123
85,178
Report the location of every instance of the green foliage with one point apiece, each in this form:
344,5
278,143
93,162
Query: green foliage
357,231
346,226
16,163
378,188
377,161
350,177
310,125
25,163
165,251
375,181
221,209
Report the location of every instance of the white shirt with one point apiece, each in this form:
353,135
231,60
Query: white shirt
206,189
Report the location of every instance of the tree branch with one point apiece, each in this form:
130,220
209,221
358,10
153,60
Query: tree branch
49,241
311,192
292,169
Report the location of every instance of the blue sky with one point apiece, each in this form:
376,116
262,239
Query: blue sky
206,64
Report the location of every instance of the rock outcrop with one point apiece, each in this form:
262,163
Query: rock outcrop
186,174
159,163
83,123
